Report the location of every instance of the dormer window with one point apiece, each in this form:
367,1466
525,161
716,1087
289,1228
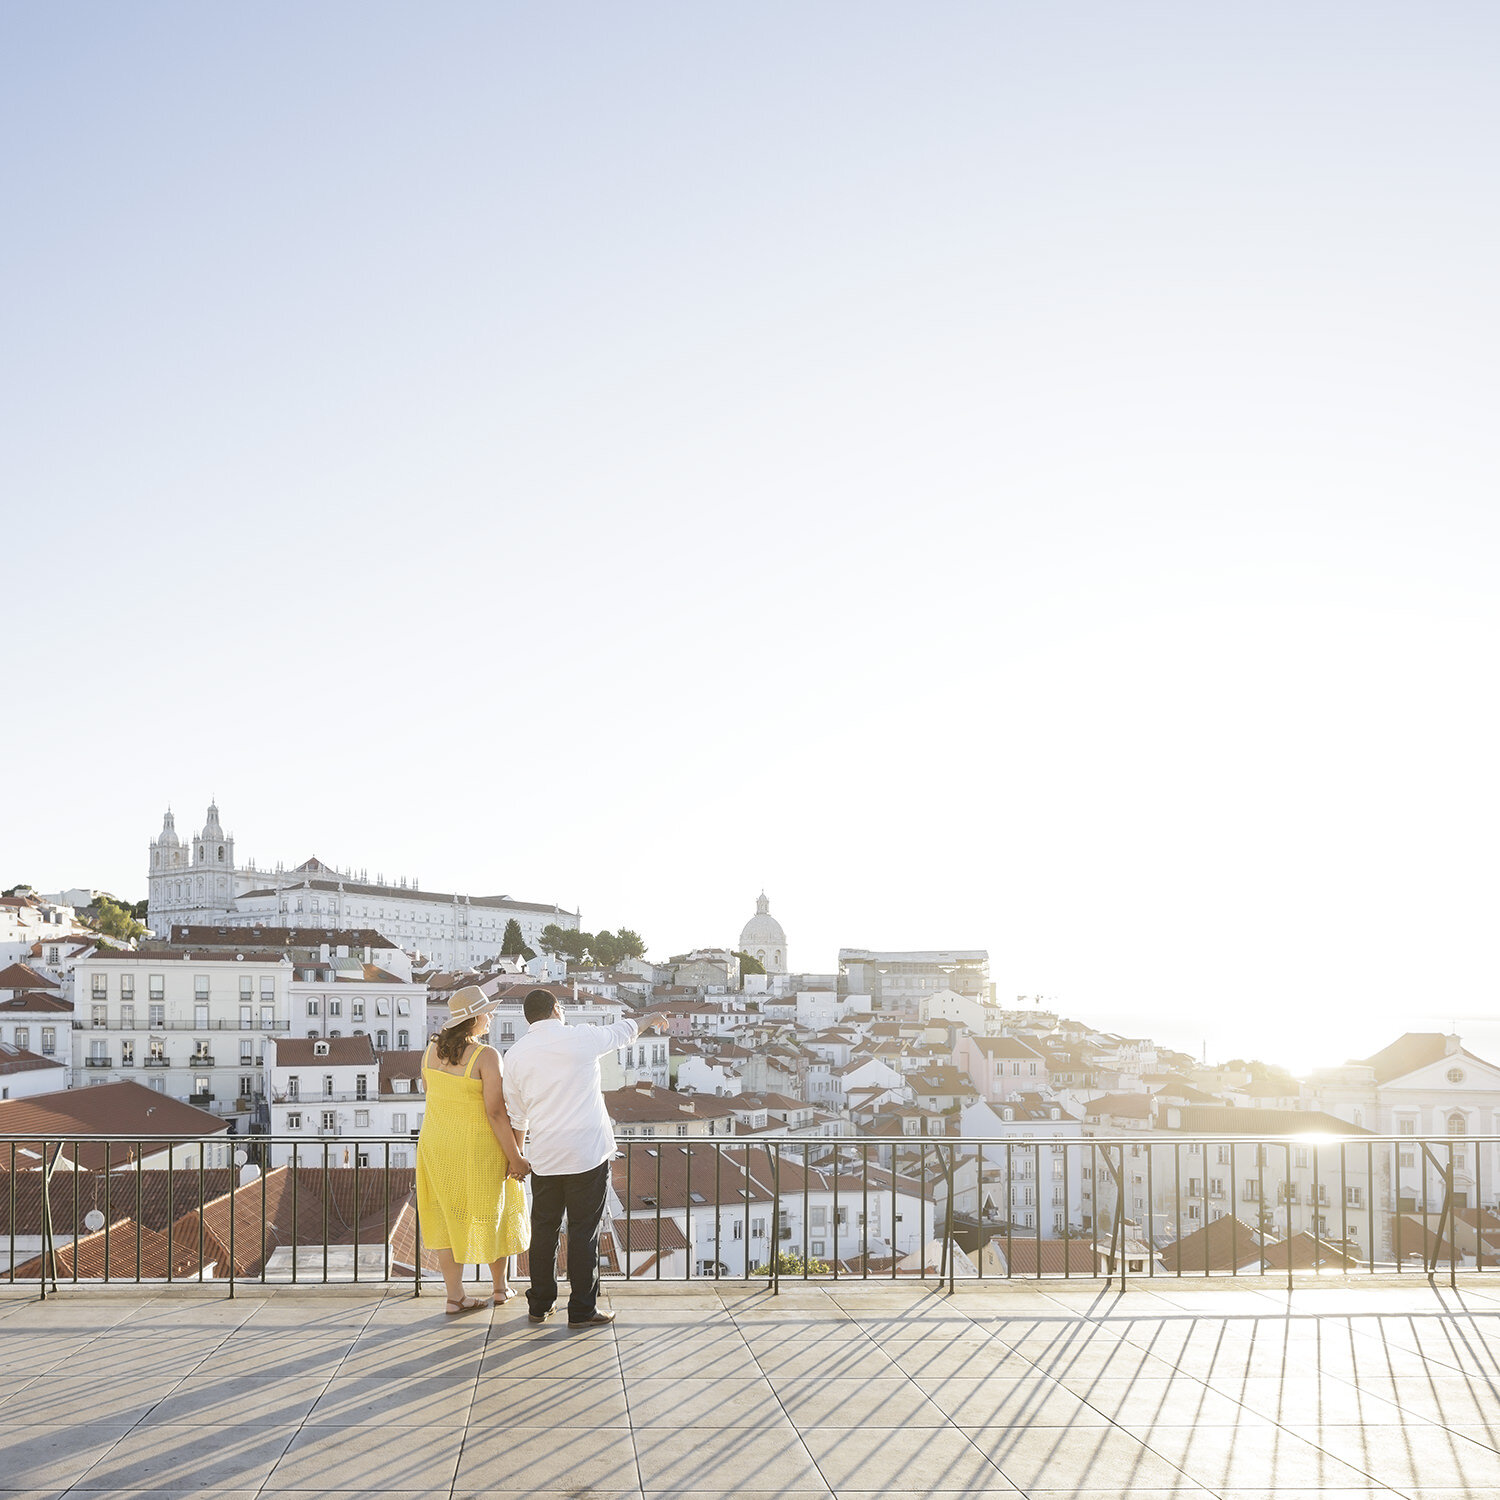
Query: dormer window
320,1049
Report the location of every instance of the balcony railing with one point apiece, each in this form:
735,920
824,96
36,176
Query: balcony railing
255,1028
98,1062
858,1208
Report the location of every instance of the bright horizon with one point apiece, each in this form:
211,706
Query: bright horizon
988,479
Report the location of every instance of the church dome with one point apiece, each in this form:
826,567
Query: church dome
168,836
762,938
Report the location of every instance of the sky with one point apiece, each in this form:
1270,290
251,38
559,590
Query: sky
1019,477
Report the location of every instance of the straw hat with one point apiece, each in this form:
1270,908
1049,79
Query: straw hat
470,1001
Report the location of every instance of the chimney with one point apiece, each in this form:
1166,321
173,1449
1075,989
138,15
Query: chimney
1451,1044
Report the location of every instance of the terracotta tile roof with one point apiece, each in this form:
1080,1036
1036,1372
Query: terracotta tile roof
1125,1106
1025,1257
1227,1119
394,1065
37,1005
125,1109
203,936
283,1207
19,1060
24,977
153,1198
1417,1049
1219,1246
130,1251
343,1052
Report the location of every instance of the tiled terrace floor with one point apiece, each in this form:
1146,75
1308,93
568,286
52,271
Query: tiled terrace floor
851,1390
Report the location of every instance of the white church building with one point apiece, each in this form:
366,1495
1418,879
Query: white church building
196,880
762,938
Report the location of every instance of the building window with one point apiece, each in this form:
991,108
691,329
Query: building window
381,1040
312,1006
403,1041
200,986
127,1054
335,1007
357,1010
329,1119
156,1016
361,1119
49,1040
267,987
247,1085
200,1017
360,1086
127,986
398,1157
247,988
1455,1075
294,1120
100,986
1406,1127
328,1085
100,1017
22,1037
156,987
1457,1124
398,1123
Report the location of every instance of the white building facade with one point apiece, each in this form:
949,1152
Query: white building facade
193,1026
198,879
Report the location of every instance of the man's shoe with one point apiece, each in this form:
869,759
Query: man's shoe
539,1317
599,1320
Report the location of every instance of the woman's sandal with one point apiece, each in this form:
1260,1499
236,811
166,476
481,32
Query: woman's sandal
454,1309
501,1298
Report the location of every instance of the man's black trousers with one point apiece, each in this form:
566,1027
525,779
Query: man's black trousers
581,1194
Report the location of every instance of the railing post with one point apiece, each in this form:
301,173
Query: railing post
950,1247
773,1160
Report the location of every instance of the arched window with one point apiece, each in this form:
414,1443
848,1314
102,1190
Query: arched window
221,854
403,1040
1458,1124
381,1042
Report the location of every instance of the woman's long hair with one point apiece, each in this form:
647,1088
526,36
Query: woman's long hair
453,1040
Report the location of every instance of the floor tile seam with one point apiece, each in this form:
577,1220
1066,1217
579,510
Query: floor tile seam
781,1406
77,1484
176,1386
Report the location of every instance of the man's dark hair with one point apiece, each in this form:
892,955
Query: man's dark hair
538,1005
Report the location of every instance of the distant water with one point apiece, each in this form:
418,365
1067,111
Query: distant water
1298,1042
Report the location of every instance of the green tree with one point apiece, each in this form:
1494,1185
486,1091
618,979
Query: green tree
565,942
603,949
512,944
138,911
115,921
630,944
749,965
789,1263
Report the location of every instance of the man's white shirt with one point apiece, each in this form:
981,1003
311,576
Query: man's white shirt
553,1088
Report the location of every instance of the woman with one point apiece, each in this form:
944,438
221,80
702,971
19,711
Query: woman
469,1163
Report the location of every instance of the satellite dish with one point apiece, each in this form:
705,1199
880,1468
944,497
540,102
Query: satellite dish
249,1174
93,1221
240,1158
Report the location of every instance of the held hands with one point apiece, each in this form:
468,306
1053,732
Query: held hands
520,1169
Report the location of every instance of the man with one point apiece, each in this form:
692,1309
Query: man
553,1090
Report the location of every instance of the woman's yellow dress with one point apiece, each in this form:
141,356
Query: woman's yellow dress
466,1202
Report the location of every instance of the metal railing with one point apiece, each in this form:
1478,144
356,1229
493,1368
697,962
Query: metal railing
146,1028
342,1207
